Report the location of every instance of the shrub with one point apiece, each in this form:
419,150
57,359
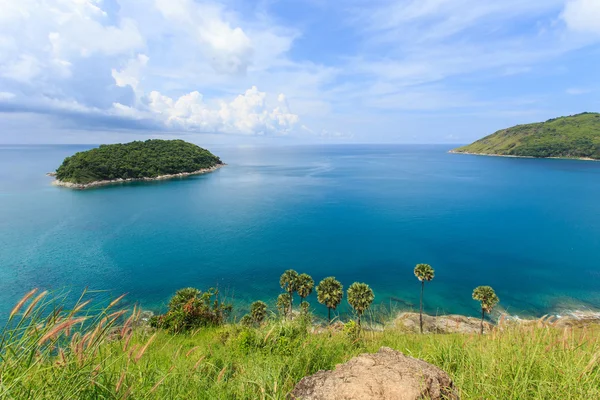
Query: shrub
247,340
352,330
191,309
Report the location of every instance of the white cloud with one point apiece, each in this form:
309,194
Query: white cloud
420,21
583,15
228,48
130,74
23,69
132,59
7,95
327,134
181,64
58,30
248,113
578,91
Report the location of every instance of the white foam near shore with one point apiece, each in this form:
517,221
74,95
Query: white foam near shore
82,186
564,319
579,315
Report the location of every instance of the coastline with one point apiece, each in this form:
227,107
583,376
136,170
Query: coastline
408,321
512,156
83,186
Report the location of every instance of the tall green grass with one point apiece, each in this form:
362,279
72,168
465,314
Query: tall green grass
48,352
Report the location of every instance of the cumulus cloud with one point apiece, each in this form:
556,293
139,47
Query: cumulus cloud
130,74
39,38
248,113
228,48
6,95
583,15
121,62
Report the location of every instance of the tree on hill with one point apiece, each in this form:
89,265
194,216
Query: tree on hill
305,309
258,312
304,286
329,293
488,299
284,303
360,298
424,273
289,282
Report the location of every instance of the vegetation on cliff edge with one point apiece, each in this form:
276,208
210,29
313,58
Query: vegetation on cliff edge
49,352
135,160
576,136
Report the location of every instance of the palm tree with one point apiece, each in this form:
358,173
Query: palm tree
284,303
423,272
330,292
488,299
304,308
288,282
258,311
304,286
360,297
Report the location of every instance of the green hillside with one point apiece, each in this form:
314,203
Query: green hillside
135,160
50,349
576,136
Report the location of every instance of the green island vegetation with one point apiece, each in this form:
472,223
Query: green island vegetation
135,160
576,136
197,350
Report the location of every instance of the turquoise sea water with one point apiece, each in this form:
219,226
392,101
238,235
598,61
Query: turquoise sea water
530,228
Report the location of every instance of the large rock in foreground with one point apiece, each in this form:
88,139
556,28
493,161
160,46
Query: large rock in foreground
385,375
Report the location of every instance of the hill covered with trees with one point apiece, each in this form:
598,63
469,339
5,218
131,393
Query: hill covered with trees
576,136
135,160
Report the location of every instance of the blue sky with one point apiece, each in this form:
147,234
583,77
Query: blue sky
292,71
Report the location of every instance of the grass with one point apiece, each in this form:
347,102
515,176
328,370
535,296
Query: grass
84,353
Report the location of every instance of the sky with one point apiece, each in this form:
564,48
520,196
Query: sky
292,71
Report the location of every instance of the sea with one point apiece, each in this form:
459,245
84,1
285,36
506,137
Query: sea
530,228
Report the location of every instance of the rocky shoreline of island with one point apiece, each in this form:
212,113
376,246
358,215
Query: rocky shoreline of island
82,186
512,156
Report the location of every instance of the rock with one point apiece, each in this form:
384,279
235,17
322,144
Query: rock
335,327
81,186
570,319
385,375
576,319
441,324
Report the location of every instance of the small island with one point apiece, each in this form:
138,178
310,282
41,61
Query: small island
576,137
136,161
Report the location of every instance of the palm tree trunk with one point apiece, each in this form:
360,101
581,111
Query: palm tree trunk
482,315
359,320
421,310
329,314
291,304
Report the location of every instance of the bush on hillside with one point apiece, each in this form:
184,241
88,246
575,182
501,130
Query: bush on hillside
191,309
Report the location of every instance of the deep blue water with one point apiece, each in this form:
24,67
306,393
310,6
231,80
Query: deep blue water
529,228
